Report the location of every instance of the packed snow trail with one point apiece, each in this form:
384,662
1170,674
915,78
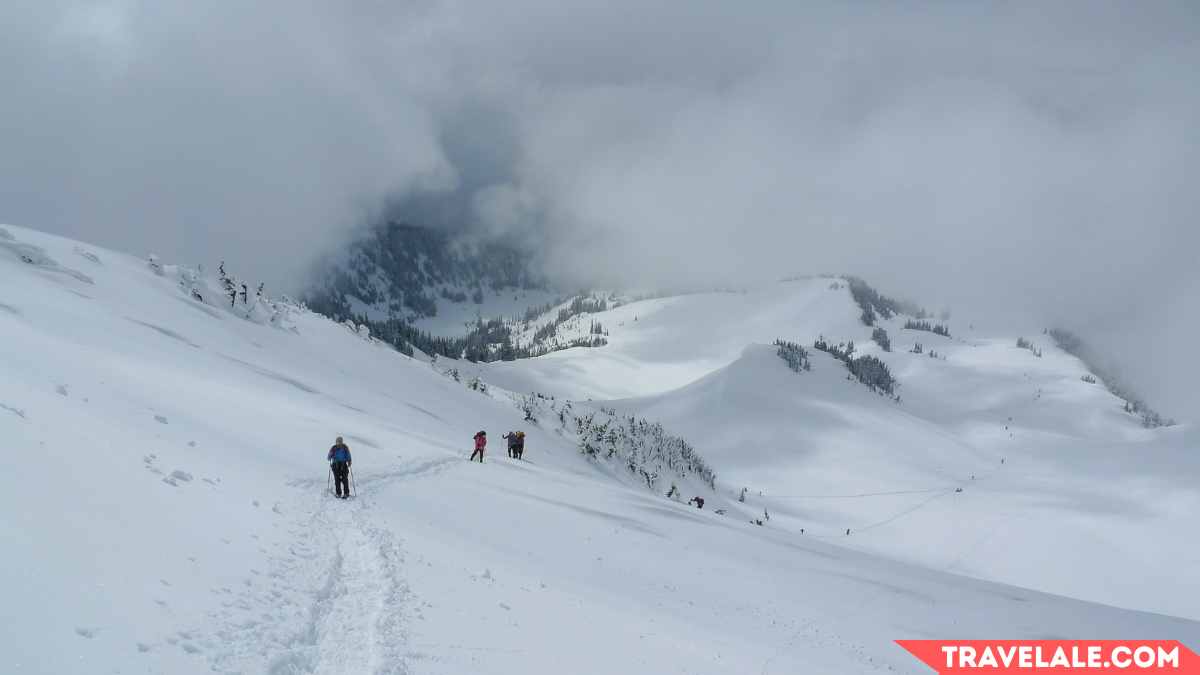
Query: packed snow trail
342,592
357,617
359,621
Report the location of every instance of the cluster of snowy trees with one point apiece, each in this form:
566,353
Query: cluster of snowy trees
545,338
929,327
874,373
537,311
793,354
485,341
868,370
880,336
873,303
842,351
230,286
642,447
1022,343
476,345
919,348
1134,405
227,291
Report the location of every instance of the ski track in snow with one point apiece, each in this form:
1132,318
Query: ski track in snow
337,598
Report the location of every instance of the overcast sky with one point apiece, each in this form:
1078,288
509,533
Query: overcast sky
1032,162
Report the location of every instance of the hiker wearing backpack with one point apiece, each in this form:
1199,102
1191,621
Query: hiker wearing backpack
339,463
511,437
480,444
519,448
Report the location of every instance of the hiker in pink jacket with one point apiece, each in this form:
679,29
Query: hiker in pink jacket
480,444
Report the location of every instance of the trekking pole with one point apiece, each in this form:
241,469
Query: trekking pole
353,488
329,480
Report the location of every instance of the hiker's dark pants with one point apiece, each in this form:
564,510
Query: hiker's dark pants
518,451
478,451
341,478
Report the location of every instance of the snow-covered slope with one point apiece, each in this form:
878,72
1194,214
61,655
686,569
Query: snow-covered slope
1062,490
165,511
662,344
1044,504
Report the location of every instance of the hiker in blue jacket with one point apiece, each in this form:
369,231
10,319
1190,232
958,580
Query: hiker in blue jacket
339,462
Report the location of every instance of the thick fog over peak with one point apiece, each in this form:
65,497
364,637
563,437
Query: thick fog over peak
1026,163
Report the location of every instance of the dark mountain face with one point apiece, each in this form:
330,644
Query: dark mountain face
402,272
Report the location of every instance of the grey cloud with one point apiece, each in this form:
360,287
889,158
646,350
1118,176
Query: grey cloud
1024,164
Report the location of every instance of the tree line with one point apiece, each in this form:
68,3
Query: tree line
1134,405
868,370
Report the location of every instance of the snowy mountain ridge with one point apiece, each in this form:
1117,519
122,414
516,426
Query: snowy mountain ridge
169,514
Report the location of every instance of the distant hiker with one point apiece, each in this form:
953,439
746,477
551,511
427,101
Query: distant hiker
480,444
520,447
511,437
698,501
339,463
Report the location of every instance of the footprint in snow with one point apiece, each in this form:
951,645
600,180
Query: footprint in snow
36,256
62,390
160,419
85,632
88,255
16,411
